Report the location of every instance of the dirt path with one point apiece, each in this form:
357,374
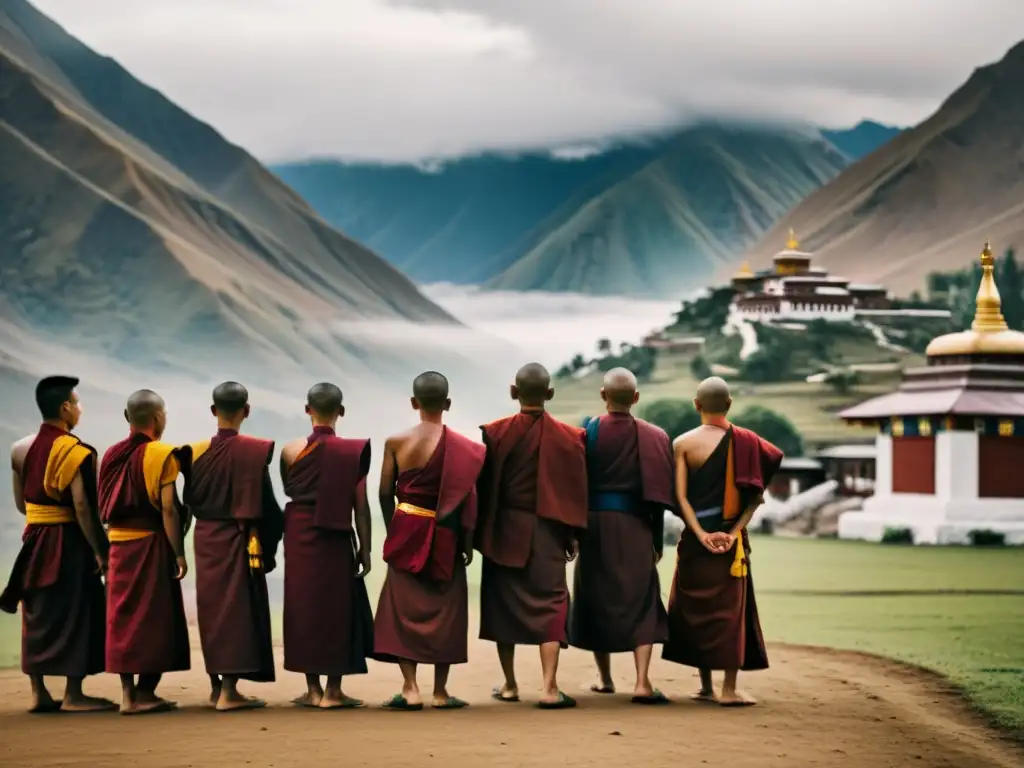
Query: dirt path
818,708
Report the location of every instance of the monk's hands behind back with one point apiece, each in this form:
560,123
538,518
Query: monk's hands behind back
718,543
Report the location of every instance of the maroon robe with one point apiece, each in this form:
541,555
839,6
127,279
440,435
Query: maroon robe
533,501
147,632
423,612
617,602
55,578
229,492
328,622
713,620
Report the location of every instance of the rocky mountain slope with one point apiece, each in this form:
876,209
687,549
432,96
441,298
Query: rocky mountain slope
928,199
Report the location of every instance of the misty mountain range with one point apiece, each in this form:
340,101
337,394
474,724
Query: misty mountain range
647,217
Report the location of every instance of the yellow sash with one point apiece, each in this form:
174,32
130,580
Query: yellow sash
255,551
412,509
45,514
126,534
731,510
66,457
159,468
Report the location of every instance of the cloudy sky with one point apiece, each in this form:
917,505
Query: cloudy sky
412,79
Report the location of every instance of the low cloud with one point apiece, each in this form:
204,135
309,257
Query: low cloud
399,80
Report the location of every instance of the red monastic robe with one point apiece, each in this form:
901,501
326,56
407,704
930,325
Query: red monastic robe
533,502
423,613
237,530
55,578
713,619
617,602
328,623
147,632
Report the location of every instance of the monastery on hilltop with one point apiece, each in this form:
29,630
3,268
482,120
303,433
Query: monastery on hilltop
793,289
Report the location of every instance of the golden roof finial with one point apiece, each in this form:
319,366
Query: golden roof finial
792,244
988,305
745,270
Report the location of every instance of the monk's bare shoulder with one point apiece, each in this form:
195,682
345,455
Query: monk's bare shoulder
687,438
291,450
19,449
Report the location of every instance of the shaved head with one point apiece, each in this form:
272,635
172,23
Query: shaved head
324,400
713,396
430,391
230,397
146,412
533,385
620,387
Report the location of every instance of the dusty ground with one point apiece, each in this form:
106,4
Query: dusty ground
818,708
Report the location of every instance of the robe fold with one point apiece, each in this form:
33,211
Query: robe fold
237,531
147,632
617,604
713,619
533,502
55,578
423,612
328,622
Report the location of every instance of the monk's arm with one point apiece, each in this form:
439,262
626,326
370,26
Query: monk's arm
17,460
363,525
689,515
86,517
744,520
172,520
271,524
386,491
19,492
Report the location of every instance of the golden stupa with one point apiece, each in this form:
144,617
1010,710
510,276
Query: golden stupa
989,334
744,271
792,244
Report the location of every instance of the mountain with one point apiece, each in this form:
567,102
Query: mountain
861,140
468,220
668,227
149,235
928,199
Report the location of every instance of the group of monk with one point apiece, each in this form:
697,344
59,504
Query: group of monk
98,577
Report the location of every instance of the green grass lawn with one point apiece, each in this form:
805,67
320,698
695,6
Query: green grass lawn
976,640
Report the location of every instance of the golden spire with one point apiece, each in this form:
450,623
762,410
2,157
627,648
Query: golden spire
745,270
792,244
987,314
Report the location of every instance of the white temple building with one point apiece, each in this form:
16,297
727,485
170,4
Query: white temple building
950,452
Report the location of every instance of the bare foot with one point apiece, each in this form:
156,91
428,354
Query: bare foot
602,688
705,696
237,702
736,699
147,707
149,697
43,703
506,694
214,695
309,699
86,704
339,700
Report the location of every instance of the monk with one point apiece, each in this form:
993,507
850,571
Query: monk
328,623
423,613
237,530
533,508
617,603
147,633
58,574
721,473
